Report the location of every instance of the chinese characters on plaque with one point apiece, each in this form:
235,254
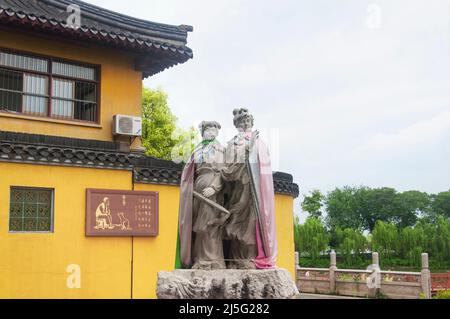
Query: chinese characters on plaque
121,213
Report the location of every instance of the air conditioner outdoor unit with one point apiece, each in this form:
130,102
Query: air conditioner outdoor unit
127,125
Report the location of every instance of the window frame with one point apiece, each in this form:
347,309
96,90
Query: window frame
50,76
52,210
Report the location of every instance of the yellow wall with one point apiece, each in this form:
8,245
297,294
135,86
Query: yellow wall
284,218
120,88
156,253
34,265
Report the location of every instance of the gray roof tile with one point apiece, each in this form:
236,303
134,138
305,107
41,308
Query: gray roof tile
103,26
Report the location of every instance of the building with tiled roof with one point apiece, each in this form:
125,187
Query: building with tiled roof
83,212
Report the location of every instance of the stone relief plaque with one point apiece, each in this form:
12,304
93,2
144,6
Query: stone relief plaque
121,213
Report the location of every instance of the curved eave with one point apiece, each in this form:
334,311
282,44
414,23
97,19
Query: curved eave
168,54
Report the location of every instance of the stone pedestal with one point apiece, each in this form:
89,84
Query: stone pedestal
226,284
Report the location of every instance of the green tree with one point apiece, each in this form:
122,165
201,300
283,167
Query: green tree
313,203
312,238
351,243
377,204
158,124
428,230
441,204
440,240
160,135
342,209
411,204
412,244
186,140
296,233
361,207
385,239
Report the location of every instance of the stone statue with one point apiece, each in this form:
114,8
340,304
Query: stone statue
201,214
250,228
227,220
227,202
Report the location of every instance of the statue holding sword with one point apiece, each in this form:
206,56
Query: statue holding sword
201,198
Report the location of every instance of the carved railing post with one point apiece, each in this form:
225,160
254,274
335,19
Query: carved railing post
425,277
332,271
373,292
375,259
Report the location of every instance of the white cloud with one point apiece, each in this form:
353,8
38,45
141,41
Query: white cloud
427,132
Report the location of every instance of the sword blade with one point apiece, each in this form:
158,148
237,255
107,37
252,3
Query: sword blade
210,202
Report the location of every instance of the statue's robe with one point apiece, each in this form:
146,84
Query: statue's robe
200,244
251,238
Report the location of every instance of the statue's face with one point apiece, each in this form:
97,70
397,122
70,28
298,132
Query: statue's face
210,133
245,124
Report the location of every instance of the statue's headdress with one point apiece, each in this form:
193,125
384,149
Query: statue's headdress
240,114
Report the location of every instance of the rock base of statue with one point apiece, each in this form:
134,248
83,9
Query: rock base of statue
226,284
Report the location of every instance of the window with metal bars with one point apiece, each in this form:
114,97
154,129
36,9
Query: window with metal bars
48,87
31,209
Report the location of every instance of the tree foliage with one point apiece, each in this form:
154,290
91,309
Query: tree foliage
385,239
377,204
411,205
350,244
441,204
399,225
186,140
313,203
296,233
158,124
160,135
312,237
439,243
342,209
412,243
361,207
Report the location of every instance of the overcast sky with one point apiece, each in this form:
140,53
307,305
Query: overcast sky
357,92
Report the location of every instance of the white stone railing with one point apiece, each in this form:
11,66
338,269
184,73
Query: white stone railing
372,282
